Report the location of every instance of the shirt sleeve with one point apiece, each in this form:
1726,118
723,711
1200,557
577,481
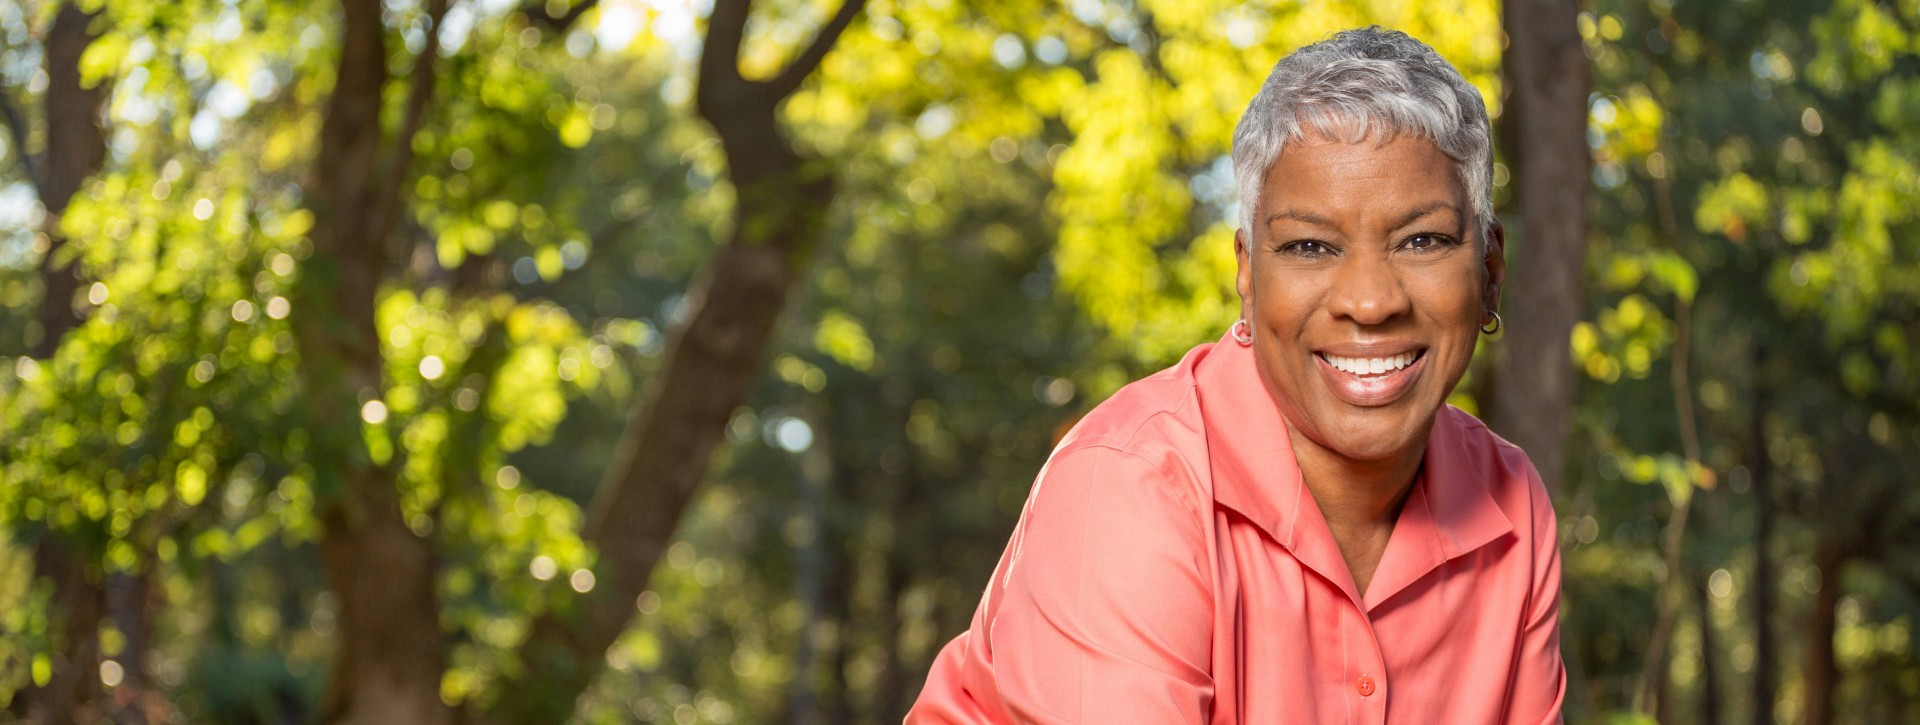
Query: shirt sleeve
1540,679
1103,613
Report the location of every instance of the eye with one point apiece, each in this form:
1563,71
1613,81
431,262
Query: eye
1306,248
1426,242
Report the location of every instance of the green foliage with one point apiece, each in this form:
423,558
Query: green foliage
1145,191
1034,208
1795,267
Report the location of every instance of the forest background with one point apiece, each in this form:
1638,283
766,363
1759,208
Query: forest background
441,361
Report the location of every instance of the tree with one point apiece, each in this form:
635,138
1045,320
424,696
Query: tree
1546,80
393,656
438,326
74,150
1732,181
778,220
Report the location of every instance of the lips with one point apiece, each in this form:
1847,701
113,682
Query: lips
1371,381
1370,366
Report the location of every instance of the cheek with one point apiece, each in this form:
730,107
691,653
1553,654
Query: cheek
1286,298
1454,296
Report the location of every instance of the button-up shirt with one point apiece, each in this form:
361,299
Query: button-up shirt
1171,566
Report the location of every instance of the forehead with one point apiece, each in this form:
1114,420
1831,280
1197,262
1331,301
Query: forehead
1360,181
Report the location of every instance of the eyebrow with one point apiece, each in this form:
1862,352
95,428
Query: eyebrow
1410,217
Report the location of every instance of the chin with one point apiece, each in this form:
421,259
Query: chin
1376,440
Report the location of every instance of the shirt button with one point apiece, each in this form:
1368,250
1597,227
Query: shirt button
1365,686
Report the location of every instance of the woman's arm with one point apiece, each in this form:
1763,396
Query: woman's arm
1102,610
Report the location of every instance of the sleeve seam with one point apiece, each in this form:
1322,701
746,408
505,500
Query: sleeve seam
1183,494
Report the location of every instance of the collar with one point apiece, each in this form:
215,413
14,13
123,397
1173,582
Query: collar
1449,512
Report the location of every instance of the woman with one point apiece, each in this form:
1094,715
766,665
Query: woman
1291,525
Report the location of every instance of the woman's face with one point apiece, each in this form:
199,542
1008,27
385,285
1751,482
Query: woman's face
1365,289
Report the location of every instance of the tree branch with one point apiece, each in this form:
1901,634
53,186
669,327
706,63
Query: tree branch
74,149
391,655
711,362
537,11
1654,670
17,126
420,91
720,59
789,80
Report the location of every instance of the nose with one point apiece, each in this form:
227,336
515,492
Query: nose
1368,290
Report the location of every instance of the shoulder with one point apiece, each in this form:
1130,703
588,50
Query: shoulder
1151,411
1508,473
1115,508
1148,435
1515,486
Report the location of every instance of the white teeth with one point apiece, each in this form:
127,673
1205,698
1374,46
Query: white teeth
1370,366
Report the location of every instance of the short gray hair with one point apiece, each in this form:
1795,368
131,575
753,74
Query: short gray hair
1359,83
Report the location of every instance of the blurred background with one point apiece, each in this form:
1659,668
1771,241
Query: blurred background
438,361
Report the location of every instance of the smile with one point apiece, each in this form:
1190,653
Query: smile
1370,365
1371,381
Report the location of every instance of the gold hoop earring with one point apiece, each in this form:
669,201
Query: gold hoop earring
1242,332
1496,324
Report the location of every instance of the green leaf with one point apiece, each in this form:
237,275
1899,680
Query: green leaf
1675,274
190,483
840,337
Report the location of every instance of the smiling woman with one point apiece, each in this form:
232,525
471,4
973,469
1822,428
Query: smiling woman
1290,525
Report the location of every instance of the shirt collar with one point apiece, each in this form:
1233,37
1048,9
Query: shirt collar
1254,471
1449,512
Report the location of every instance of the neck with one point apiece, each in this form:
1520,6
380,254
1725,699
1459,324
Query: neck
1356,495
1360,500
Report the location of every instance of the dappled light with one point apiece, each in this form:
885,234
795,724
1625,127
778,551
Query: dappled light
690,361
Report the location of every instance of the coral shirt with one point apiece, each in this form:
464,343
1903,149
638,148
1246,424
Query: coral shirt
1171,567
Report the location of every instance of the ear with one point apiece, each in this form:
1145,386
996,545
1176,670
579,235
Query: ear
1496,268
1243,279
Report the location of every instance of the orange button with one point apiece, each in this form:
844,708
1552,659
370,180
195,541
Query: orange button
1365,685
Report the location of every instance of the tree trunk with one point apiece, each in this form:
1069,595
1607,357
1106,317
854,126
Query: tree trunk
1822,673
908,503
1760,466
391,651
130,601
809,580
1709,655
1547,71
76,150
391,654
72,692
711,361
837,704
891,696
848,515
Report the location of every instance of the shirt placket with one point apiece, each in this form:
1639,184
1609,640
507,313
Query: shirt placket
1364,681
